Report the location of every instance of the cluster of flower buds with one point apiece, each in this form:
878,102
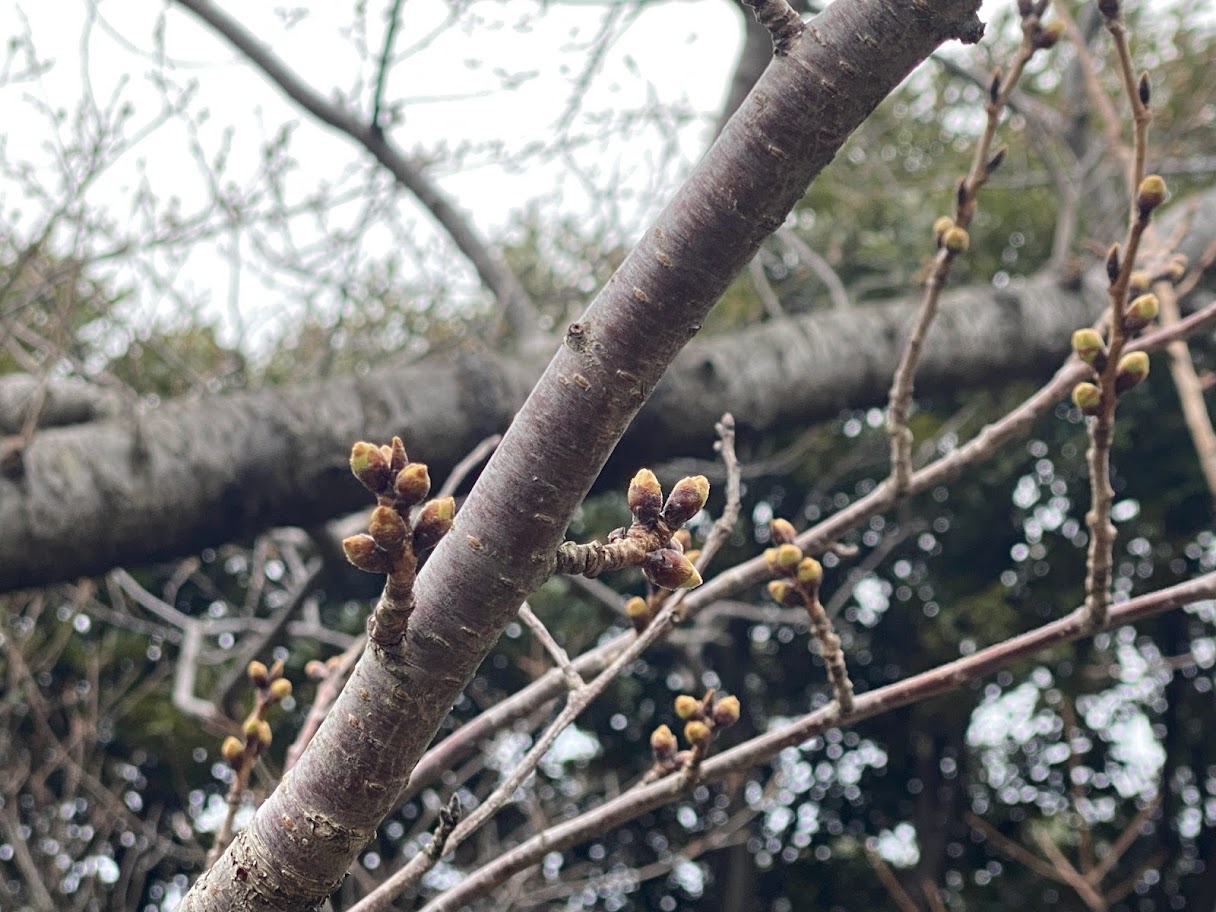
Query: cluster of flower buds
1139,310
399,485
671,566
641,611
950,236
270,689
799,575
702,720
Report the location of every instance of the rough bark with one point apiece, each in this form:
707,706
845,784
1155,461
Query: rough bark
303,838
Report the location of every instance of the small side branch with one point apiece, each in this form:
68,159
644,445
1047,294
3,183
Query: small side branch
782,22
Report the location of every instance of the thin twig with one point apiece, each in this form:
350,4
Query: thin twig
952,242
542,634
888,879
386,53
1102,428
1190,389
938,681
517,308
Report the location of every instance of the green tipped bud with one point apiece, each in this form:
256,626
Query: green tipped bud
687,706
280,688
639,613
250,728
956,240
1046,37
668,569
686,500
663,744
361,551
1133,368
434,521
784,593
782,532
1138,282
787,558
726,712
697,733
1090,348
263,733
645,496
1141,312
1150,195
257,673
809,573
413,484
232,749
370,466
1087,397
387,529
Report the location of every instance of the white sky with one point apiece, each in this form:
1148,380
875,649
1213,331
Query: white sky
501,75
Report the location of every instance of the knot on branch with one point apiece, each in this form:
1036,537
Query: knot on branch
782,21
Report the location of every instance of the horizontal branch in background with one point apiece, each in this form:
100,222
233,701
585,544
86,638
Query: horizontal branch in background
195,473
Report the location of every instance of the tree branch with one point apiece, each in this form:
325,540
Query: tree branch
517,309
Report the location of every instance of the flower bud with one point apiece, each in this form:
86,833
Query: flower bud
686,500
387,529
280,688
396,455
257,673
638,612
316,669
669,569
809,573
697,733
1138,282
370,466
263,733
1087,397
956,240
784,593
783,558
681,541
782,532
1113,263
433,523
361,551
726,712
687,706
940,227
1090,348
413,484
1150,195
645,496
663,744
1046,37
1133,368
1141,312
232,749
